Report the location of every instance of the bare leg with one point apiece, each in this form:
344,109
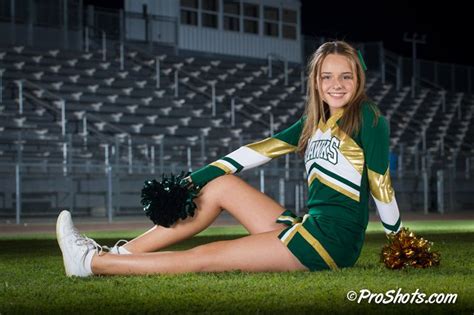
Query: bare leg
255,253
254,210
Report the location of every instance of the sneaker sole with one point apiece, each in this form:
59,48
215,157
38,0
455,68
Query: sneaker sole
59,239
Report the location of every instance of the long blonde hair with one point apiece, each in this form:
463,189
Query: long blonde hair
316,108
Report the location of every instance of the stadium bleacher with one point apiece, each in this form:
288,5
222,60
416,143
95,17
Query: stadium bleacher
126,103
114,114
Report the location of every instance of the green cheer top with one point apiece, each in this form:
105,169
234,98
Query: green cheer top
341,170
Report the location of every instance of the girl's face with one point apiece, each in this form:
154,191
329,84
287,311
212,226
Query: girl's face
337,81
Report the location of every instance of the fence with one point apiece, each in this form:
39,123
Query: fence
61,24
43,24
108,190
35,189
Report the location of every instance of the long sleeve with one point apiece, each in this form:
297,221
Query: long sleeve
375,140
251,155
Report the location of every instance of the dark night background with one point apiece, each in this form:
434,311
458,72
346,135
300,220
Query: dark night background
446,25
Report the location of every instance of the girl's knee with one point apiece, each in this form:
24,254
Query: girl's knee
206,257
228,179
197,256
219,186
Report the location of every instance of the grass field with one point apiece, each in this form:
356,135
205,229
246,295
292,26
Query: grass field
32,280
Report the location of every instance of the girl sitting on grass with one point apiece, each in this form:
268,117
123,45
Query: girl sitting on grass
345,146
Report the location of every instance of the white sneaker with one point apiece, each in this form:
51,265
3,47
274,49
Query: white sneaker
77,249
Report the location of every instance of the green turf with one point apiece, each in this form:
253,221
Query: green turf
32,280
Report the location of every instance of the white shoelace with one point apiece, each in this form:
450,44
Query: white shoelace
81,239
89,242
118,242
116,245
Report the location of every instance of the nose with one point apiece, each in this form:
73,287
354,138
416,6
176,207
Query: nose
337,84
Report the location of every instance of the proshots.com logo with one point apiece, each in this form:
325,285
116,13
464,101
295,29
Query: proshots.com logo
399,297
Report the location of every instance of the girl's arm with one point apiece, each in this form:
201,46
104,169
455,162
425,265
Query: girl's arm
375,140
250,155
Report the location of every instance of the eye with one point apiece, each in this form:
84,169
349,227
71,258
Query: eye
325,77
347,77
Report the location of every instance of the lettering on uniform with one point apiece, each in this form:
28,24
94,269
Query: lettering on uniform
323,149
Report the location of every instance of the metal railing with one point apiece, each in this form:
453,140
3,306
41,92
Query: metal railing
87,40
115,192
62,112
212,96
155,60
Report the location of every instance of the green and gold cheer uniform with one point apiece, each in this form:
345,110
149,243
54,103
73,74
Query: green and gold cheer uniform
341,172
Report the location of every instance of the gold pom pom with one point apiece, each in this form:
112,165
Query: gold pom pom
405,249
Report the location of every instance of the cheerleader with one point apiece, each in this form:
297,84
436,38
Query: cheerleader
344,142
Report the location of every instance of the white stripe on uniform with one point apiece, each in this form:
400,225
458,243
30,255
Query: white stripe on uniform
248,158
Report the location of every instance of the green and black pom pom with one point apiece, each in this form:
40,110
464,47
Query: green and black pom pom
168,201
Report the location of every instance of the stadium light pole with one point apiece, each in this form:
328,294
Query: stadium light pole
12,22
65,24
414,40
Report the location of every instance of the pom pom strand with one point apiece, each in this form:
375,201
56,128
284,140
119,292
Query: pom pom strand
404,249
170,200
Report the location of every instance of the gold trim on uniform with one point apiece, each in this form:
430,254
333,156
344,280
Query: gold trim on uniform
318,247
312,241
331,121
292,233
350,149
222,167
333,186
322,126
272,147
381,185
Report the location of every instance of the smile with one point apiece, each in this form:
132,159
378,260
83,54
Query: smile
337,94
